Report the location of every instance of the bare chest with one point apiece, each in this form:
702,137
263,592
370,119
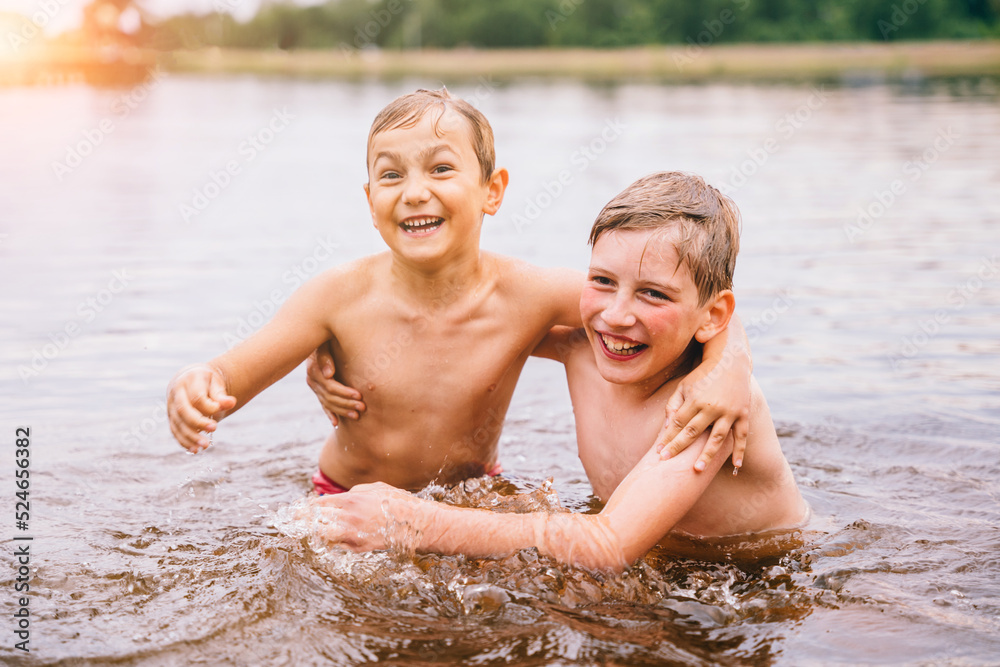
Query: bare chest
456,355
611,438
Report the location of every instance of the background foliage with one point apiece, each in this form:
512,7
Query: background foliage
579,23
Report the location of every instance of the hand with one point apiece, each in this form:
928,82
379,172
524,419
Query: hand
708,398
337,400
195,397
369,517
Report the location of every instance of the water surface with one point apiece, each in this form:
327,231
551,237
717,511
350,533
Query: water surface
868,282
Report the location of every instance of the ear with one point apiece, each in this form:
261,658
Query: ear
496,186
371,207
718,312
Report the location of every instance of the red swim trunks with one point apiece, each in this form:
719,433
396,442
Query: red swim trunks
325,486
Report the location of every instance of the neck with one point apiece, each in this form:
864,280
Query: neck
441,282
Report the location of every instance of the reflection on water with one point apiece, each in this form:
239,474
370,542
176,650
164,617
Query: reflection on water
867,282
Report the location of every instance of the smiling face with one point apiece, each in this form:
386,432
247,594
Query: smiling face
640,308
425,188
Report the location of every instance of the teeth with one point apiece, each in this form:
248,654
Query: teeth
621,347
417,223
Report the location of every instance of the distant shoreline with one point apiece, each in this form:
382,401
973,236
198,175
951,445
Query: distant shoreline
827,61
691,63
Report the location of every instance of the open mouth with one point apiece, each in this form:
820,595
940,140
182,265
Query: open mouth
620,348
421,226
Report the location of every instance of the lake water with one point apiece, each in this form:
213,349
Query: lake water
147,229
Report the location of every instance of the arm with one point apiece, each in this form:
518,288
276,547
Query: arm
645,506
199,396
717,394
560,291
559,342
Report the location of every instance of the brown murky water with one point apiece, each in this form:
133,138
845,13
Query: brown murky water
868,281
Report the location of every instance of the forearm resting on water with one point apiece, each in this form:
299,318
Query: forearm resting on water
645,507
585,540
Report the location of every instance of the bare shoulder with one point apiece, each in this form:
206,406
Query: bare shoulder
333,296
346,281
553,293
525,275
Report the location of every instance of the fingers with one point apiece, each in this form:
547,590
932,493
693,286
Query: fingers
209,396
324,359
314,372
193,418
217,394
687,432
741,430
671,427
336,398
190,437
194,397
715,441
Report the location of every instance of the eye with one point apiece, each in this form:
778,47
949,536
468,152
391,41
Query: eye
654,294
601,280
442,169
390,175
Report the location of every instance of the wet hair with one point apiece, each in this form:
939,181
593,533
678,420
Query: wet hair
407,110
708,223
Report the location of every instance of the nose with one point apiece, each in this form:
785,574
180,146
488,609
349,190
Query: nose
415,190
618,312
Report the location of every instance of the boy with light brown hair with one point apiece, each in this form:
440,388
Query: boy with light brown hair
659,287
455,323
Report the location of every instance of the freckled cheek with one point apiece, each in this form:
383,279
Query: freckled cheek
659,322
